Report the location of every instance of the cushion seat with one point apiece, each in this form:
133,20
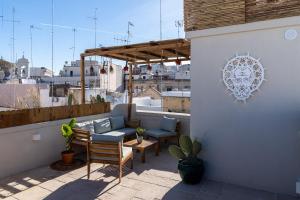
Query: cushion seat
126,151
112,136
157,133
126,131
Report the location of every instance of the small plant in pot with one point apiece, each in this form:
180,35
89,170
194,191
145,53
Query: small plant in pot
190,167
139,134
67,133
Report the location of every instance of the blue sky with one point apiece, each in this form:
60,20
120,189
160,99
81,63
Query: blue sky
113,16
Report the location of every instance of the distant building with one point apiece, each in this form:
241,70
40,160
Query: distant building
92,68
6,69
21,69
39,72
160,84
176,101
111,81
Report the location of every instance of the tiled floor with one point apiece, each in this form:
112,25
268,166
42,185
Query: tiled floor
156,179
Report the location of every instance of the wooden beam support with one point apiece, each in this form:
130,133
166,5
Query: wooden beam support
82,79
156,47
175,52
154,54
164,60
131,56
130,92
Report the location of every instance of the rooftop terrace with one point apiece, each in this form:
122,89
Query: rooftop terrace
155,179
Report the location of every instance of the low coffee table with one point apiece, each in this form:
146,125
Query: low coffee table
146,144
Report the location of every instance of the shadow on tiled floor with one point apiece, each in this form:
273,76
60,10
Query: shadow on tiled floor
155,179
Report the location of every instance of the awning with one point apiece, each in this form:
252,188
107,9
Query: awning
146,53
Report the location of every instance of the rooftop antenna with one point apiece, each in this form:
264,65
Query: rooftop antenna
13,21
128,31
74,42
160,20
178,25
95,25
2,15
121,40
52,50
31,28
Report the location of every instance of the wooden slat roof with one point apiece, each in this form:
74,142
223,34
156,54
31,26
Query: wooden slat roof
143,53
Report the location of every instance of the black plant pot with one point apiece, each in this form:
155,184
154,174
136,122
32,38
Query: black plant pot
191,172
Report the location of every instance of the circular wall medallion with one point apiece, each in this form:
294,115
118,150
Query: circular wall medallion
243,75
290,34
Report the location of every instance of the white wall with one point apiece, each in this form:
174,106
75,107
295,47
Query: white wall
256,144
18,151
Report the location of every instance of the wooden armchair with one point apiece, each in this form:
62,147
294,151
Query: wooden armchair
108,152
80,137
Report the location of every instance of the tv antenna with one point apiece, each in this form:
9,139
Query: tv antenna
95,19
178,25
13,21
2,16
160,20
74,30
121,40
130,24
31,28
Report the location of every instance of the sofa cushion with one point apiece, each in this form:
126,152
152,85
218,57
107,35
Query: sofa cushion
111,136
168,124
126,151
102,125
87,126
157,133
117,122
127,131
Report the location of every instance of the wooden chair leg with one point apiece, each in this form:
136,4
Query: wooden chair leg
88,170
131,162
120,173
159,140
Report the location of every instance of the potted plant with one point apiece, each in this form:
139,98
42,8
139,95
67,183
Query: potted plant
139,134
190,167
67,133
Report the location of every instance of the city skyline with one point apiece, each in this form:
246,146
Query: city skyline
111,25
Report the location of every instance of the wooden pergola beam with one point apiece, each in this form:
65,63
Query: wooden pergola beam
153,54
175,52
151,46
131,56
161,60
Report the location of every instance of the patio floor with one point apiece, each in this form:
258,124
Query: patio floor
156,179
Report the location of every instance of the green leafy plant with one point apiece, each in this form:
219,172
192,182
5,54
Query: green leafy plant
187,150
67,133
98,98
70,99
140,131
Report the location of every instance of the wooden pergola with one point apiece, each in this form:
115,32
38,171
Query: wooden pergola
136,54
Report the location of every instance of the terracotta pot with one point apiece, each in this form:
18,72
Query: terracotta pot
67,157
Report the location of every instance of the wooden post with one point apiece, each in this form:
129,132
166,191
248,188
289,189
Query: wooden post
130,92
82,79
